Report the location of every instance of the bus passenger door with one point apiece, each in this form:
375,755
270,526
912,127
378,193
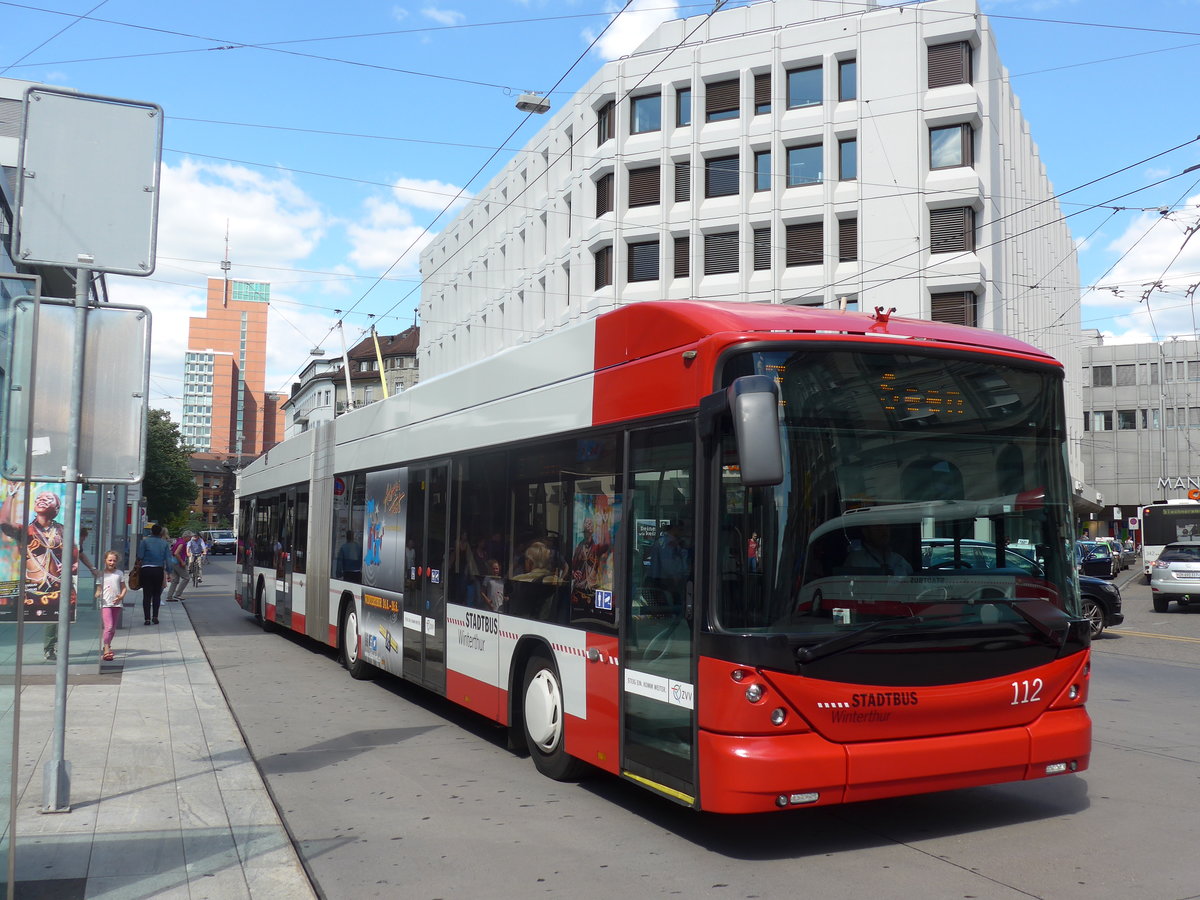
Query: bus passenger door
658,695
426,538
282,558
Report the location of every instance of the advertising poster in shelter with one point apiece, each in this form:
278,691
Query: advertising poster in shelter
384,566
595,521
39,568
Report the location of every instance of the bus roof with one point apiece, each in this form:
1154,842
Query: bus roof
637,330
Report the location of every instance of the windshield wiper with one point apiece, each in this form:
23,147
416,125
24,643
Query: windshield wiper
1044,625
864,635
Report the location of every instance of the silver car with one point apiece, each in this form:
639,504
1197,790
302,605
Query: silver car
1176,576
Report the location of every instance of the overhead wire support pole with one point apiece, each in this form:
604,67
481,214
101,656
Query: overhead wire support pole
56,776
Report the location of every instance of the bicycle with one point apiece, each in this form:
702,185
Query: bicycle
194,570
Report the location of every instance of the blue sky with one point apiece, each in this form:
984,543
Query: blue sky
328,138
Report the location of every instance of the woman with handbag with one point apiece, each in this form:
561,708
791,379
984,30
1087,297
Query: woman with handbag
154,554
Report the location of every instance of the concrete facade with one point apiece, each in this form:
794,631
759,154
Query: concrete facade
1140,438
835,137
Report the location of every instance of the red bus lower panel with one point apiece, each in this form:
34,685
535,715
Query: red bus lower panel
750,774
478,696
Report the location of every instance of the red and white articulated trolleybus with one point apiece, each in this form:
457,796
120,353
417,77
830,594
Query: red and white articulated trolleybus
751,557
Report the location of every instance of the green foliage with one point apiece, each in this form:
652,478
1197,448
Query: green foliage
168,484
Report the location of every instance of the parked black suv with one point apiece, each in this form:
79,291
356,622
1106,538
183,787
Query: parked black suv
1101,603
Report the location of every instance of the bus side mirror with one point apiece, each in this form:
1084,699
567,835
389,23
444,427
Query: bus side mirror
754,403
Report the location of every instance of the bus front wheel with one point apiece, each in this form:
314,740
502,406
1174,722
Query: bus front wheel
352,646
543,721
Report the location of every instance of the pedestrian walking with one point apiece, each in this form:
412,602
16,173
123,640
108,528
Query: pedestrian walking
154,553
111,591
179,573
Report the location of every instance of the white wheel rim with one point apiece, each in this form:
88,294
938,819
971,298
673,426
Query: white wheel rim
543,711
352,636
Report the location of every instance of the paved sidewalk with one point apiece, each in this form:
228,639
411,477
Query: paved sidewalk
165,799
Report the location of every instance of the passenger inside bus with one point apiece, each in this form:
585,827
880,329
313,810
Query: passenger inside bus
532,593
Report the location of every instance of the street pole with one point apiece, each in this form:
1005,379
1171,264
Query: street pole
56,776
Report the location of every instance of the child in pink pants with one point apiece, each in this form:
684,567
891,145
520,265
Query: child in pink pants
112,590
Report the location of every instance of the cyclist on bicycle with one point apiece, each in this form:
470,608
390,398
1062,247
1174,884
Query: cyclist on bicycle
196,551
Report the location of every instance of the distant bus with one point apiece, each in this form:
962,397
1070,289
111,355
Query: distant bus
749,557
1167,522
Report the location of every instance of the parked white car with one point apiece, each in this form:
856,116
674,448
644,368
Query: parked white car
1175,575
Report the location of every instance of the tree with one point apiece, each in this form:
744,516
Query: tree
168,485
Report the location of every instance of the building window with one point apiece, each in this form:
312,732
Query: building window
762,93
951,146
956,308
683,106
762,249
604,265
1102,376
642,264
804,165
949,64
804,87
645,114
1127,419
848,159
805,244
604,122
762,170
644,186
604,194
952,230
721,176
683,181
1126,375
721,253
683,249
848,79
721,100
847,240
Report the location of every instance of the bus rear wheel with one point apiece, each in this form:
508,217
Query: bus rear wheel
543,721
352,645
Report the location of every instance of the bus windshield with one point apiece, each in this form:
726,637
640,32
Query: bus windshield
922,493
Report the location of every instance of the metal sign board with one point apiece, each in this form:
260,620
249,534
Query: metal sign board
116,380
88,182
14,289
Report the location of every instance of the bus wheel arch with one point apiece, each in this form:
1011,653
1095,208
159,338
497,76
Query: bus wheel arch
543,716
350,639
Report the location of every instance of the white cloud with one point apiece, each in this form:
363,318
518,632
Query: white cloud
427,194
1152,250
387,231
443,16
271,222
632,26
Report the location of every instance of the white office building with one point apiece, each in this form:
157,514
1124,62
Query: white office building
785,152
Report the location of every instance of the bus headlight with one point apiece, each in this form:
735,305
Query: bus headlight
754,693
778,715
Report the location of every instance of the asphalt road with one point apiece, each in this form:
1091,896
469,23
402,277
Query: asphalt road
391,792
